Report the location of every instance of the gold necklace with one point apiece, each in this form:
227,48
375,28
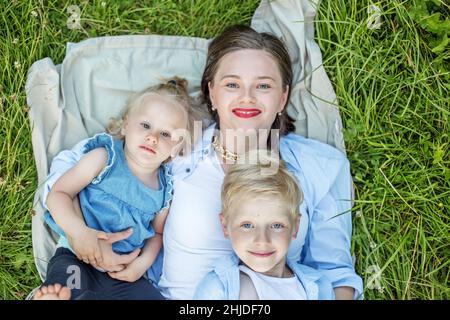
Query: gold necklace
224,153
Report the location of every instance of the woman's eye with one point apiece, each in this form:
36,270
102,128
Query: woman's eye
232,85
165,134
145,125
246,225
263,86
277,226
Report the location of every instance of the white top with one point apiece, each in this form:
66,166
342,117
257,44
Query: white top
273,288
193,237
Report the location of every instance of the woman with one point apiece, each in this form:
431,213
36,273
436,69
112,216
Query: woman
246,86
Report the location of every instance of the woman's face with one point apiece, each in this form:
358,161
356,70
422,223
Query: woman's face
247,90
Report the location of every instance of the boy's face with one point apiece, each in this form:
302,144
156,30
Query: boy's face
260,231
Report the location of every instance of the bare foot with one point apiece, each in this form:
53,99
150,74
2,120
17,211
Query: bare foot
52,292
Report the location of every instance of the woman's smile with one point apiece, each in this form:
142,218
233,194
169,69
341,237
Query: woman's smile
246,113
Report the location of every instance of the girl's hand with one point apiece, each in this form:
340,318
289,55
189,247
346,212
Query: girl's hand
85,243
132,272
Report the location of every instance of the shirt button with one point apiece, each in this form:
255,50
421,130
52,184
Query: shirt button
205,152
188,170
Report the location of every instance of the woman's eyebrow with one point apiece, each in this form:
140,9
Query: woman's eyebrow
265,78
230,76
237,77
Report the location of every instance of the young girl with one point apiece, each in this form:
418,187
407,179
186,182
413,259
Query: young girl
260,215
123,183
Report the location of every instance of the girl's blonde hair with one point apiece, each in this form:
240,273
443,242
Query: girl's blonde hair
248,181
174,88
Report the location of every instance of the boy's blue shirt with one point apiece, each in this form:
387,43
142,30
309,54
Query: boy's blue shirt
223,283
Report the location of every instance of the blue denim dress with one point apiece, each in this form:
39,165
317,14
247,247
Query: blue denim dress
116,200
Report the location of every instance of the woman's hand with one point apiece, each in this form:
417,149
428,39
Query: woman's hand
112,261
137,268
132,272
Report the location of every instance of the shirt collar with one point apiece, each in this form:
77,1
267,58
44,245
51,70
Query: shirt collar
205,144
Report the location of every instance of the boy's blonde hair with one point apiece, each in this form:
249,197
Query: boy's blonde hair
248,181
174,88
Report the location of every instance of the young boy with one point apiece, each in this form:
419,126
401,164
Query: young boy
260,215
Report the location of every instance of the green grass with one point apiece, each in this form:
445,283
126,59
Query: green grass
395,103
393,92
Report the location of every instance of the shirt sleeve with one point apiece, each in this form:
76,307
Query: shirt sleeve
328,240
210,288
61,163
102,140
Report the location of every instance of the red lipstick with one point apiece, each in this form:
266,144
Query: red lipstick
246,113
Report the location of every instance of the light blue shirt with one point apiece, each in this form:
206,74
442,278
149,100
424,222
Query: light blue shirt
324,175
223,283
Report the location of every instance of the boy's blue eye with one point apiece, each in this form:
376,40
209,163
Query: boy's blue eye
246,225
277,226
145,125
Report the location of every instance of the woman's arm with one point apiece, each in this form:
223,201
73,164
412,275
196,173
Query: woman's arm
344,293
328,240
154,244
138,267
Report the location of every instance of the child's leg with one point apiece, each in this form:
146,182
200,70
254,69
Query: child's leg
66,270
141,289
87,283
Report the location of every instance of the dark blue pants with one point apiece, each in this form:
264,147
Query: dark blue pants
87,283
